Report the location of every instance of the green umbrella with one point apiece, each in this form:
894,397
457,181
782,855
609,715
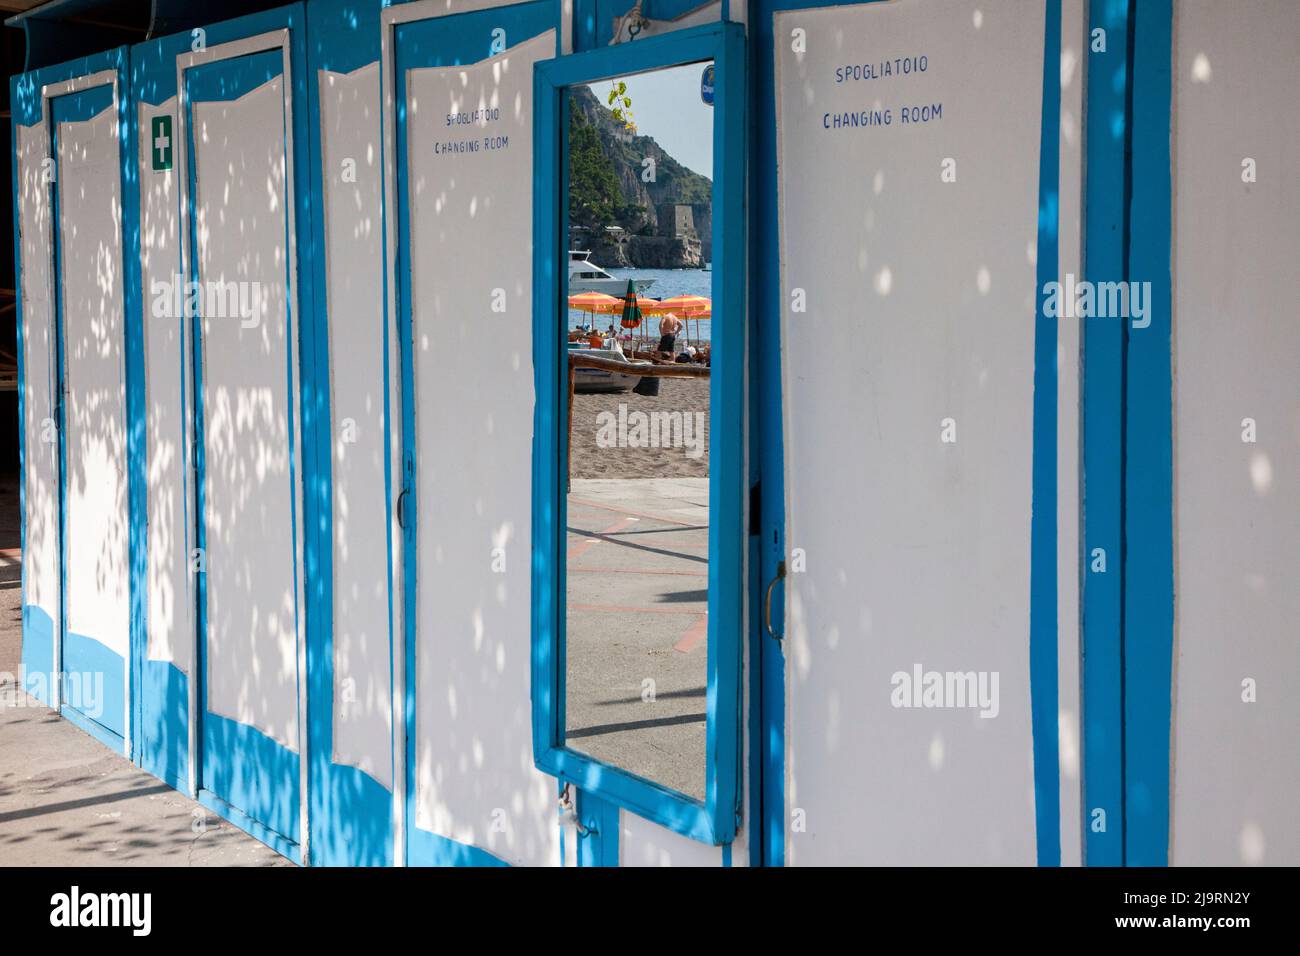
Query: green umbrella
631,311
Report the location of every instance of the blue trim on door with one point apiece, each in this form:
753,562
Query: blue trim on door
438,41
136,405
38,653
713,820
1102,635
224,761
1043,597
351,812
597,833
254,828
1148,490
104,701
109,738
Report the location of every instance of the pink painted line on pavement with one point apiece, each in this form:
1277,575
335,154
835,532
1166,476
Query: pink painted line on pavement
685,574
587,543
694,634
639,514
631,610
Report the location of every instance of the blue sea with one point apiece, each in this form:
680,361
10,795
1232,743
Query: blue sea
668,283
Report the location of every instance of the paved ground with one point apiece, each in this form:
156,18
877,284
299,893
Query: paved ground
638,621
65,799
638,584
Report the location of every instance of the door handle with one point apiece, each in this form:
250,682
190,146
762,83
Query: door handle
767,601
401,509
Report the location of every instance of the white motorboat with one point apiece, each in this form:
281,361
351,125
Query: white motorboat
591,380
586,276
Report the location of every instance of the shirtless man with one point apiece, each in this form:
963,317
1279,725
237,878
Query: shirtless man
669,326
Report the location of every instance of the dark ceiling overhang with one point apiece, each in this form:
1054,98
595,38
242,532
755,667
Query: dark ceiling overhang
61,30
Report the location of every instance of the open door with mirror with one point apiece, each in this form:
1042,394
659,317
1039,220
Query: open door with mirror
639,335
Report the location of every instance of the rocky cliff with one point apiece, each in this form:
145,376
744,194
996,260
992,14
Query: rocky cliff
648,239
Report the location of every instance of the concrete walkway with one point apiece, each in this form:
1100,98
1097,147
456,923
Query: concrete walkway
637,620
66,800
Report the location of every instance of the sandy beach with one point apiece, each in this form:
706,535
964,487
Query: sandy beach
647,437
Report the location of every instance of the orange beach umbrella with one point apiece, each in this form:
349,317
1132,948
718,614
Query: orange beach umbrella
595,302
694,306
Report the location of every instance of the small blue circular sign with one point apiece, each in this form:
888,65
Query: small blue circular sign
706,85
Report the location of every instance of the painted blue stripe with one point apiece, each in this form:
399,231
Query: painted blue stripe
428,849
164,715
1103,443
251,772
1149,567
767,438
94,728
94,681
352,813
276,841
1044,700
136,415
38,654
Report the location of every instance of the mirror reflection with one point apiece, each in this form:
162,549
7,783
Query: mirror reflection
640,192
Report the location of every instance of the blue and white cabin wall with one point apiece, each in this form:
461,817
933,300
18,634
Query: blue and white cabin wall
355,754
945,527
75,291
919,398
229,433
458,240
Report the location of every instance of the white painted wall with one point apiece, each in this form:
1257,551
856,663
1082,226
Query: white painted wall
920,308
252,637
170,624
96,520
40,449
471,241
354,302
1236,765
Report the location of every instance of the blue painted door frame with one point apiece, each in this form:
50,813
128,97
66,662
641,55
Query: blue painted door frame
457,38
1127,449
716,818
83,655
351,814
767,462
164,688
241,767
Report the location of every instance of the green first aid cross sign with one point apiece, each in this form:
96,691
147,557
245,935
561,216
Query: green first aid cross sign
160,143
